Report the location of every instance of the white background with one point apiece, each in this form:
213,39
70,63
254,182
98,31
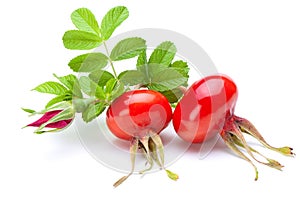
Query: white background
257,43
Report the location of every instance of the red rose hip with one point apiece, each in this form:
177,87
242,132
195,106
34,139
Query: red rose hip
207,109
139,116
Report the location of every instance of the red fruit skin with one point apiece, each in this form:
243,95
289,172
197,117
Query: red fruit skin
137,113
202,111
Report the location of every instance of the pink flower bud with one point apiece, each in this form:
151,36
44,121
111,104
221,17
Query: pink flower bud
47,116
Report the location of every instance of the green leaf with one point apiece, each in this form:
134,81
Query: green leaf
68,80
87,85
93,111
28,110
167,79
57,99
101,77
128,48
181,66
57,106
113,18
163,54
71,82
80,104
85,20
51,87
81,40
173,96
119,89
149,71
142,59
88,62
132,77
110,85
91,88
113,89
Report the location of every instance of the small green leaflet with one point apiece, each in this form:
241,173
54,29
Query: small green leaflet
93,111
88,62
101,77
113,89
118,90
68,80
163,54
57,106
113,18
71,82
91,88
149,71
81,40
87,85
142,59
80,104
51,87
59,98
85,20
110,85
167,79
132,77
28,110
173,95
128,48
181,66
157,77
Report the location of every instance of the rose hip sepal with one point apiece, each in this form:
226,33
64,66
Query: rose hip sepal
139,116
207,109
54,120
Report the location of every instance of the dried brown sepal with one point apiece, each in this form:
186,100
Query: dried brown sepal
157,152
227,138
247,127
232,134
152,148
271,163
235,130
144,144
149,160
160,147
133,150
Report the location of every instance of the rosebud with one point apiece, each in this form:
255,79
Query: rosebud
56,120
47,116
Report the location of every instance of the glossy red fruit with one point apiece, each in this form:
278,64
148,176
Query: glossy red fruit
207,109
139,116
201,113
138,113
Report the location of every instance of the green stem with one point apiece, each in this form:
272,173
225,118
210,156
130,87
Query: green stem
110,61
103,101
